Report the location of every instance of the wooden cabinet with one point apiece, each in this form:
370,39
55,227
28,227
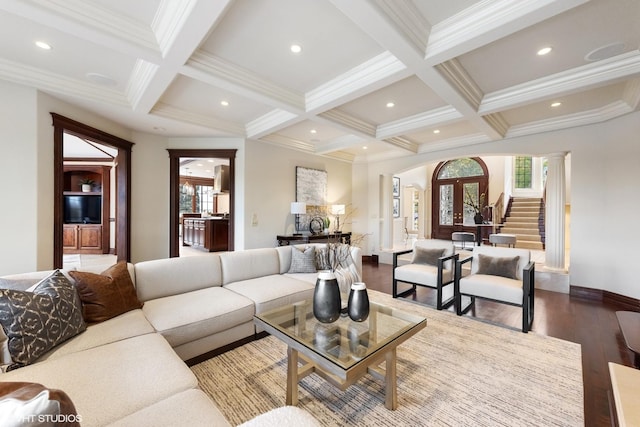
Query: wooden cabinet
208,234
82,238
86,227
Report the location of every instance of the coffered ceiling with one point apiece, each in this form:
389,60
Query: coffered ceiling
457,72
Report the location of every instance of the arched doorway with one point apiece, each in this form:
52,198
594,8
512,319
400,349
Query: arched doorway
457,184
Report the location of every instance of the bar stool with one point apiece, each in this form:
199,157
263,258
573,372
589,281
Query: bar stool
464,237
503,239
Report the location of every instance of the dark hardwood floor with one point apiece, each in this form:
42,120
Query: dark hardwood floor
592,324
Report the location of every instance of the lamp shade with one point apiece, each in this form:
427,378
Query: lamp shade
298,208
337,209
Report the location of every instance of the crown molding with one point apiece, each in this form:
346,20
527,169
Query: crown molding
458,77
351,84
631,94
438,116
167,111
94,16
408,21
497,122
487,21
270,123
341,142
351,123
214,70
596,74
169,20
140,79
608,112
55,83
287,142
403,143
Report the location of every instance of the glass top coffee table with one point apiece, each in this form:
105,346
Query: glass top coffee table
344,351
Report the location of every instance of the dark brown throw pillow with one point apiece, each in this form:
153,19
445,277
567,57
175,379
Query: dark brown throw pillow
25,403
498,266
107,294
426,256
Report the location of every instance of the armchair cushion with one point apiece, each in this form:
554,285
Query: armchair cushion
498,266
427,256
496,288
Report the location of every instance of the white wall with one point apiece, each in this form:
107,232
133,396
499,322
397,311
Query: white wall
18,179
271,187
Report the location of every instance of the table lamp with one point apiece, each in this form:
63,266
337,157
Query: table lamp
298,208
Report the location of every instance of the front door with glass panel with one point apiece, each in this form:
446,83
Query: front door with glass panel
458,185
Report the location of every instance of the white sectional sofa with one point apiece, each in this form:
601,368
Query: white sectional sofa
130,371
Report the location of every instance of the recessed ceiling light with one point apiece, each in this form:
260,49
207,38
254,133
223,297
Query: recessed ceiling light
390,104
296,48
43,45
313,131
224,103
365,147
436,131
544,50
556,104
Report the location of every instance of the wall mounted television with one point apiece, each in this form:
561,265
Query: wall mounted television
85,209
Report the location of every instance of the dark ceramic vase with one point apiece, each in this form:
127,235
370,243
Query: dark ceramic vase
358,306
326,298
477,218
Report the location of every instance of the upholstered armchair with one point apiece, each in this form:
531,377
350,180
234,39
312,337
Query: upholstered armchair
432,265
504,275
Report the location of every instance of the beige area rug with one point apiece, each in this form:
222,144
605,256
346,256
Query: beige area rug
455,372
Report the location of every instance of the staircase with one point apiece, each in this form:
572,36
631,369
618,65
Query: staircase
525,219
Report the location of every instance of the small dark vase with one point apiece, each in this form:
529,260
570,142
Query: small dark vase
358,305
326,298
477,218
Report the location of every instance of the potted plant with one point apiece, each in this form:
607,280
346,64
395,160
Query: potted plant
326,222
86,184
477,205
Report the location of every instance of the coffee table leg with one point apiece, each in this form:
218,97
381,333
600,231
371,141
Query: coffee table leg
292,376
390,381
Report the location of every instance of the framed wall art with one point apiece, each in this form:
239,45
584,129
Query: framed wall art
396,186
396,207
311,188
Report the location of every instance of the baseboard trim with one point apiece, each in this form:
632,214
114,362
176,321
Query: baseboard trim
370,259
604,296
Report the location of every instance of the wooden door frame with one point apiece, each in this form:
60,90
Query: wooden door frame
435,196
174,191
62,125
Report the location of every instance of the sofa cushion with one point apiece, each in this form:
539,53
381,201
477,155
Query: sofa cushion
303,260
26,403
107,294
272,291
249,264
126,325
109,382
191,408
165,277
37,321
193,315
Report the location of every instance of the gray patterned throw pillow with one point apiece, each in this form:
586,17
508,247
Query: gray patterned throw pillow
303,261
37,321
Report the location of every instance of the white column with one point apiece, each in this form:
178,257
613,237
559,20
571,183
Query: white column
555,212
386,212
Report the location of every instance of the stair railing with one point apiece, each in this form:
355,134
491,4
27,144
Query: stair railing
498,210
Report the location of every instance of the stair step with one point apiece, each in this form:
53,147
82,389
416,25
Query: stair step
529,245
